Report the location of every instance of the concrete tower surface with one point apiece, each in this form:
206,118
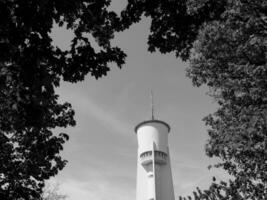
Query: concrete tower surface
154,177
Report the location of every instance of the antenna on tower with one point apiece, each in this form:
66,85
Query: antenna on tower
152,104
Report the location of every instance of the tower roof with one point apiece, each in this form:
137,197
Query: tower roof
152,121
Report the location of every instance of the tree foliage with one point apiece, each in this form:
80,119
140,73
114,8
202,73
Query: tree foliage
174,24
230,57
225,42
30,69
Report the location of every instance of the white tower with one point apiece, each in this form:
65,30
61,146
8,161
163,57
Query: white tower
154,177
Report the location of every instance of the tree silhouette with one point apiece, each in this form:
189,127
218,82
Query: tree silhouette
30,69
230,57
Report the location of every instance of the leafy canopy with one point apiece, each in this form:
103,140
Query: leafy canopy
174,24
30,69
230,57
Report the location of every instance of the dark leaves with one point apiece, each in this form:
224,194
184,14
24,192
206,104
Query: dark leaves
175,24
229,56
30,69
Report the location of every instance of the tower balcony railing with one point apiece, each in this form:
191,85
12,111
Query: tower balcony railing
160,157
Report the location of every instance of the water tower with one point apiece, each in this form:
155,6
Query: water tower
154,176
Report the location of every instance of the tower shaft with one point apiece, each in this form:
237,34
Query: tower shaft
154,177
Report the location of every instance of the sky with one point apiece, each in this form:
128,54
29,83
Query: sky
102,150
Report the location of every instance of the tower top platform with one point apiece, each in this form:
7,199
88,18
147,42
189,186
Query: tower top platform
152,121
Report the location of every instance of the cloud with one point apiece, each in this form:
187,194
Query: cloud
106,118
86,106
99,187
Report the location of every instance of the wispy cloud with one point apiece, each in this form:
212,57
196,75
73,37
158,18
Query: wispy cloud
99,186
84,105
106,118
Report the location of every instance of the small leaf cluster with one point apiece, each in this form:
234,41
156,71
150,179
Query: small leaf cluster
174,24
